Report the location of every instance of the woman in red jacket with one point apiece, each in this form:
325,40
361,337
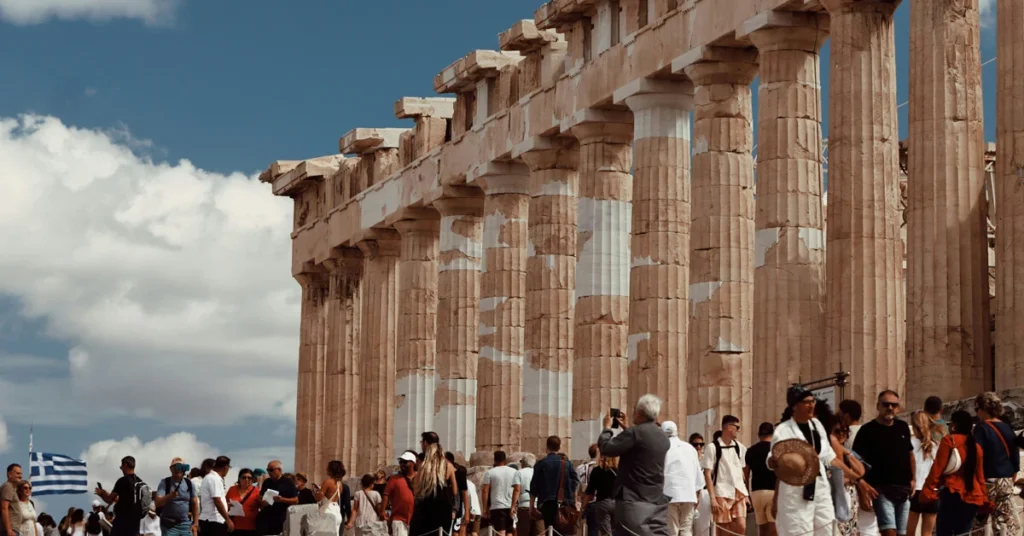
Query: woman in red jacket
962,485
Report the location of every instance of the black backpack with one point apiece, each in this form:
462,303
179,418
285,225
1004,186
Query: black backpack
168,483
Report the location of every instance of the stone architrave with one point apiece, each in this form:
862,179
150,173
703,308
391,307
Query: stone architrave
341,417
864,310
458,322
789,240
949,347
309,414
602,272
659,315
502,306
378,349
416,369
1009,365
550,292
721,239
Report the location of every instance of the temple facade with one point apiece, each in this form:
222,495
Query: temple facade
578,226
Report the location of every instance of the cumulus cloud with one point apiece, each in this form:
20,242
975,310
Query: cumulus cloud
988,12
5,440
163,279
25,12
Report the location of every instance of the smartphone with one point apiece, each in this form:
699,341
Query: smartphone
99,485
615,417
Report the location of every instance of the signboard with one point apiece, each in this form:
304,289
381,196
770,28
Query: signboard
827,394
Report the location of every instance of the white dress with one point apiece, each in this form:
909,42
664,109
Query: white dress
797,516
332,507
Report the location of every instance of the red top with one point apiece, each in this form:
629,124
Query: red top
955,482
251,507
400,496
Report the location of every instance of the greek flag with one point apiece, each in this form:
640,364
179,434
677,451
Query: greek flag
56,474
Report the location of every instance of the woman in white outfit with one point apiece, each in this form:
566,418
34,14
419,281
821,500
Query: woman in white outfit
328,495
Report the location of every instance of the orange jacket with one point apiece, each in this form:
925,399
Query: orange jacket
955,482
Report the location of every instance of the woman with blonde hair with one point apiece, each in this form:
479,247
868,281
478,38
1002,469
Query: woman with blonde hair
600,485
434,488
926,437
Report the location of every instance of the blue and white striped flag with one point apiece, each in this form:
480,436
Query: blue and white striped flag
56,474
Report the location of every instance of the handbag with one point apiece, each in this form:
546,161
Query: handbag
568,514
840,500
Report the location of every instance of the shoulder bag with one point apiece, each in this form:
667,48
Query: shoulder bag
568,514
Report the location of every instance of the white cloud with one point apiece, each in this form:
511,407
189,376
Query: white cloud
25,12
89,91
5,440
170,283
988,12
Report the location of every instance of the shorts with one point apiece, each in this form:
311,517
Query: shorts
919,507
399,528
762,500
892,516
501,520
735,508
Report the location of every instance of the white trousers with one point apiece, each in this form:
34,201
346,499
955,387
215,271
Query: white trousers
680,518
798,517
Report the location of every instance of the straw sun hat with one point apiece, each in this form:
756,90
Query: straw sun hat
796,463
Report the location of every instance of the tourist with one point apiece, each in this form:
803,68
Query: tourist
332,494
497,492
102,516
884,445
933,407
927,435
246,494
762,480
178,502
126,512
434,488
272,516
213,511
684,479
702,518
76,523
306,495
399,497
640,485
380,482
366,506
553,475
525,524
65,522
94,527
461,477
724,463
23,515
48,525
850,413
475,512
9,496
962,485
259,475
1002,462
599,496
198,476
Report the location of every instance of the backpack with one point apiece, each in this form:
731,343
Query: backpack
167,483
718,458
143,498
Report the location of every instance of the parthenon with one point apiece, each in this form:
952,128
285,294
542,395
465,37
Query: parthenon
559,239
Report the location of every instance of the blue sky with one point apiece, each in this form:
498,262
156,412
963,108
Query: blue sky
147,274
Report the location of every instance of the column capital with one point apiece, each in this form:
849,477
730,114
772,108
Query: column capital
718,65
410,227
345,259
460,206
412,213
542,152
380,243
885,7
644,93
317,278
778,30
501,178
592,125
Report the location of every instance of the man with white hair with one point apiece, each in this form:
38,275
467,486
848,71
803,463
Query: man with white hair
684,480
640,503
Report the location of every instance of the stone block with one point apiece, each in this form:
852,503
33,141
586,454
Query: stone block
364,140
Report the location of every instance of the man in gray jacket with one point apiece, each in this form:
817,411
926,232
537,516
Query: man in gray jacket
641,506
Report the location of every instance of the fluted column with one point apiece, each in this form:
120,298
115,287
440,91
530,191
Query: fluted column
309,413
379,349
948,338
864,312
502,308
660,258
602,274
789,240
458,322
416,370
341,419
1009,366
550,289
721,243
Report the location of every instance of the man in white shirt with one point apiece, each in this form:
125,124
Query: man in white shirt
723,463
684,479
497,489
473,527
525,525
213,513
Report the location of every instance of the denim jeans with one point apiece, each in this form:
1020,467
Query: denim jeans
892,515
181,529
955,516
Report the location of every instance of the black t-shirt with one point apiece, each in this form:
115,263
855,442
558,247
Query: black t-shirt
887,449
125,506
761,478
460,479
601,483
271,520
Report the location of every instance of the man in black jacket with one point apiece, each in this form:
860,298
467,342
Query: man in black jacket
640,503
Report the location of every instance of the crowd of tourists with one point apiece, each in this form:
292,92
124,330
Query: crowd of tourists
816,472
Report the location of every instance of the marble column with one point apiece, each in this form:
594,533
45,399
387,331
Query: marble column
789,240
864,311
378,350
550,291
458,322
341,419
721,243
312,362
1009,365
948,338
416,369
602,273
660,260
502,307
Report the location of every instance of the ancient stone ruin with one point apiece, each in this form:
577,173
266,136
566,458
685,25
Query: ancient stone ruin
559,238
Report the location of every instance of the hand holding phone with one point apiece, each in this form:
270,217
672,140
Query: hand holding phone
615,417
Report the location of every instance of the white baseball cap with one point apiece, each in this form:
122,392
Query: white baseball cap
97,504
407,457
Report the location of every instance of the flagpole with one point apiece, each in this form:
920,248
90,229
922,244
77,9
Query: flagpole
30,433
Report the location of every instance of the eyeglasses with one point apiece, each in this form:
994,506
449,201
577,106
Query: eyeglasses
697,445
890,405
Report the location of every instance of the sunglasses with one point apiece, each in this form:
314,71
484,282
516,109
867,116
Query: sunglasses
890,405
697,445
245,477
